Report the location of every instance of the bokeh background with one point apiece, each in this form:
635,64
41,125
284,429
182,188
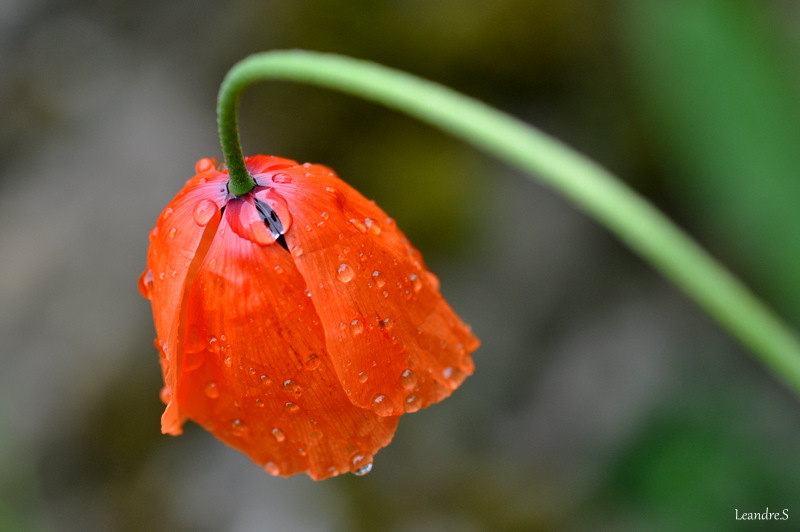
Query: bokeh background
602,400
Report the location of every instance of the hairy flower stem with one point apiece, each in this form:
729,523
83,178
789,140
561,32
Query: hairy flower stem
230,92
592,188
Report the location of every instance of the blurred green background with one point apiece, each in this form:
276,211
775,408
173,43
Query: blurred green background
602,399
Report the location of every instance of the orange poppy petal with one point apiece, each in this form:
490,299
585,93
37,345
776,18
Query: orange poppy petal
395,343
174,244
256,371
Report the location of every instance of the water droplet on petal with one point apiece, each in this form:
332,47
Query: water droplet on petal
412,403
266,380
204,166
282,179
372,226
345,273
454,375
357,327
358,224
363,470
213,345
312,362
315,435
278,434
146,283
166,214
165,395
212,392
382,405
203,211
378,278
297,251
362,377
408,379
292,407
172,232
324,215
239,428
272,468
228,361
292,388
416,282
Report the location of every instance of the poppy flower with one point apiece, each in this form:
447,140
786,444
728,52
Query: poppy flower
295,322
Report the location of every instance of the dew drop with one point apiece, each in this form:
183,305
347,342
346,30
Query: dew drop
228,361
292,407
362,377
408,379
412,403
167,213
372,226
212,264
454,375
272,468
146,283
358,224
315,435
204,165
172,232
212,392
266,380
203,211
381,405
416,282
363,470
297,251
239,428
278,434
278,269
312,362
378,278
281,179
292,388
324,215
386,323
345,273
357,327
213,344
165,395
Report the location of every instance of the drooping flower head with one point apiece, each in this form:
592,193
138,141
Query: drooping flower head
295,322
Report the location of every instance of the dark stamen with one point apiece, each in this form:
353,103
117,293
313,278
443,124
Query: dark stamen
270,217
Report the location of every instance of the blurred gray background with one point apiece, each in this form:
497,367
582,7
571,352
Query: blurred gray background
602,398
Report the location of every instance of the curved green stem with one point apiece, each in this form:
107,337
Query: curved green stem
239,180
591,187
